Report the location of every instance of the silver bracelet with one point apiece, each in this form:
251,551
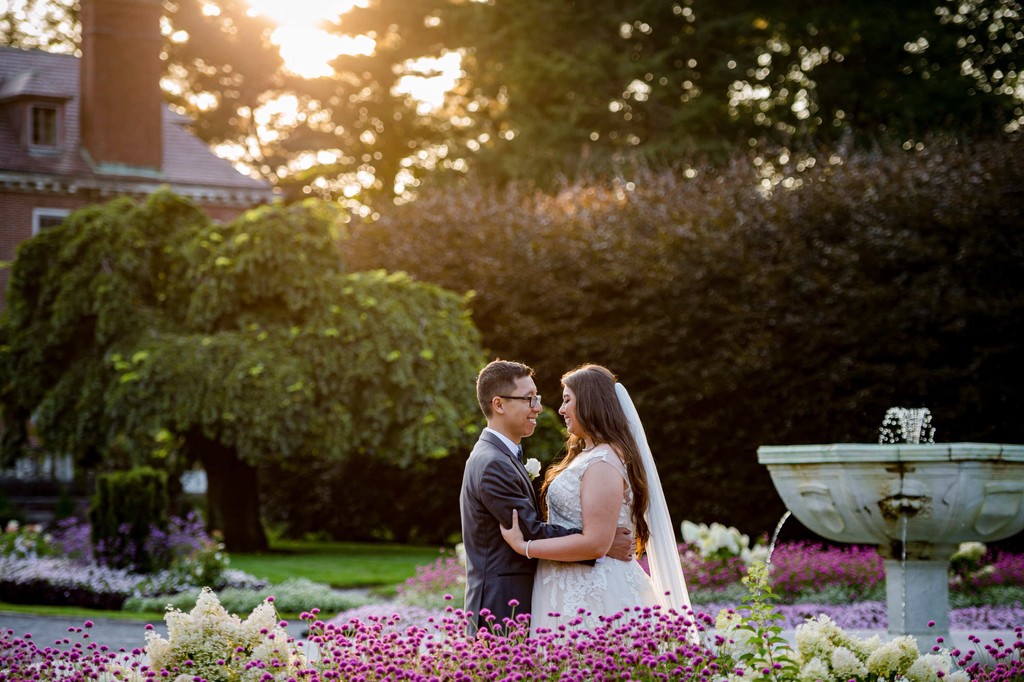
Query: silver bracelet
528,548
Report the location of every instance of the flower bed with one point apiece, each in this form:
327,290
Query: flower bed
421,636
641,644
61,568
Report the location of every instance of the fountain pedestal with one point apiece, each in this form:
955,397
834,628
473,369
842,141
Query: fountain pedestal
912,589
916,502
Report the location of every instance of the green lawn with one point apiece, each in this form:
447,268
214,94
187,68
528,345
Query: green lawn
339,564
82,613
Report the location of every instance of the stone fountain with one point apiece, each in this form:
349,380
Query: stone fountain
915,500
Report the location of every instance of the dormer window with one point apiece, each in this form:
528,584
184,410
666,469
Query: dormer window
43,131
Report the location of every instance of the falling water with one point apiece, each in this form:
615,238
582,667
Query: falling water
907,425
903,571
775,537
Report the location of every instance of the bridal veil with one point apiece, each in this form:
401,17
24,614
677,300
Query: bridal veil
662,550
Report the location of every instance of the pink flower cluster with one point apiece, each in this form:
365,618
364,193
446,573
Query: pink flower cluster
1004,569
636,644
796,568
432,581
808,567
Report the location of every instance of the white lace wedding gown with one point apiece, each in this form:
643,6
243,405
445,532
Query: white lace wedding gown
562,589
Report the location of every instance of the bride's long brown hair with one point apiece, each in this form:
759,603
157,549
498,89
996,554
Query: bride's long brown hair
600,416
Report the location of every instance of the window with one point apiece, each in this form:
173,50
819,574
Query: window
43,218
43,131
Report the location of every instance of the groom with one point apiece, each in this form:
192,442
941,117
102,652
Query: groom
494,483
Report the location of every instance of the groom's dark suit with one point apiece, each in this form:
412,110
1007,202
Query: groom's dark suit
494,483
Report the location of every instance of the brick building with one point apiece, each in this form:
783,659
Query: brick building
78,131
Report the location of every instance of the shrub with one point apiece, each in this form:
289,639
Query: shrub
126,507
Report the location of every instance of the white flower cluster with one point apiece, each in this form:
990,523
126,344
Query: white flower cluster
970,551
211,643
62,573
718,541
825,653
23,542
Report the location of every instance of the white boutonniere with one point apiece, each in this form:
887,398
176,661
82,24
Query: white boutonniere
532,467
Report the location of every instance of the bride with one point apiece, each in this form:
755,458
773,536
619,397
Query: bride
607,479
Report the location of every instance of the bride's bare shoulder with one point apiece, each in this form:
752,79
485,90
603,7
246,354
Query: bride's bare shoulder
610,449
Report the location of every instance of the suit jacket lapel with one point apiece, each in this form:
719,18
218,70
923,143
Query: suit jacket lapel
514,456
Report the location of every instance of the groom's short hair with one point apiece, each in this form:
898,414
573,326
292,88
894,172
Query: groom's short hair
498,378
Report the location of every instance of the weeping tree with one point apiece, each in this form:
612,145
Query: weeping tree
146,334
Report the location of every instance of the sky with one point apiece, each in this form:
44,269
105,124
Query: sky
307,48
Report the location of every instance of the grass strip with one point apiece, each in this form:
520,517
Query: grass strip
341,565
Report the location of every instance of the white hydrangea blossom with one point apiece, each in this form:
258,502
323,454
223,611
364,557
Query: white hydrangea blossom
718,539
819,638
739,641
218,643
846,664
825,652
814,671
893,658
971,551
925,668
756,554
865,647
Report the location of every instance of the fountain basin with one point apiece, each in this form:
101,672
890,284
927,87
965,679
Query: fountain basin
916,502
858,493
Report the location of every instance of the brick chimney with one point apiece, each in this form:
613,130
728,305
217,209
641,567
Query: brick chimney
121,103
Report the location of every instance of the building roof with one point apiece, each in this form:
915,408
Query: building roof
43,76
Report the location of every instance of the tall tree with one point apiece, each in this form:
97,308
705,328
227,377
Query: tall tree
572,86
373,139
555,87
147,334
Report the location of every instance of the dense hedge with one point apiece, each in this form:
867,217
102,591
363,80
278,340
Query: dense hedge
753,304
370,499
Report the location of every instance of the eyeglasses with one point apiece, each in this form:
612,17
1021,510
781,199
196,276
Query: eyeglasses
534,399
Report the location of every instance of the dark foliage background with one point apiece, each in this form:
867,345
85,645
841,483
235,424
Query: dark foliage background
749,305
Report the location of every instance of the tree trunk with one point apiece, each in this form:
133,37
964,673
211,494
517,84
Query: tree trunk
232,495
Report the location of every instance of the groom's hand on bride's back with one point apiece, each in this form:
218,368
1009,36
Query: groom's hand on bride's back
623,545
